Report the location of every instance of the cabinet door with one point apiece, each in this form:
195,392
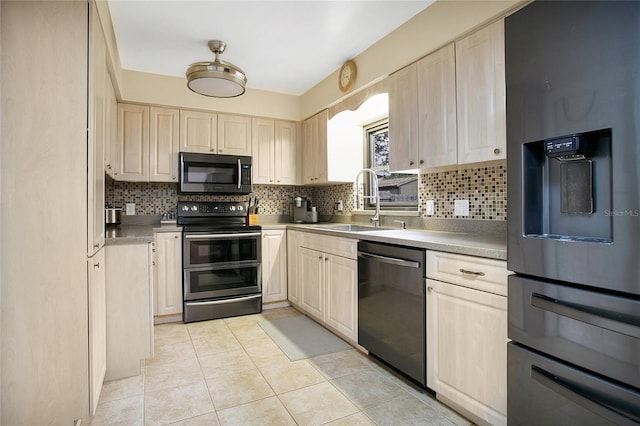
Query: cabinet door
129,309
311,275
111,133
467,349
163,144
98,76
97,327
286,153
341,310
314,151
437,108
198,131
309,130
168,273
481,95
133,142
234,134
293,261
262,134
403,117
274,266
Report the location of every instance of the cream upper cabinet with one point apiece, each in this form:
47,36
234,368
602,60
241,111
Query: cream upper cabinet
314,149
481,95
97,327
164,144
286,153
198,131
437,109
234,134
98,109
167,277
111,133
467,334
274,151
405,151
263,135
274,266
147,144
133,142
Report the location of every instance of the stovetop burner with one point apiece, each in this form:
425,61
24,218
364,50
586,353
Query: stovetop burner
213,215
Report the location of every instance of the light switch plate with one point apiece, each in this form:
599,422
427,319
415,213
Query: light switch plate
431,207
130,209
461,208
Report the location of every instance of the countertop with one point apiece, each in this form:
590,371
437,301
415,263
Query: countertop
136,234
489,246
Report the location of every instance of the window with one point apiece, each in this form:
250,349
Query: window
398,191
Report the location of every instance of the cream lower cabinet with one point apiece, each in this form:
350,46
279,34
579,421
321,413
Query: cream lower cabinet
467,335
97,327
129,294
274,266
327,274
168,276
293,258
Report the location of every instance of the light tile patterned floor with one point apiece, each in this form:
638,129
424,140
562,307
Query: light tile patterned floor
229,372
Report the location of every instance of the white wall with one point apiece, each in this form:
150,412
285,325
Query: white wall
43,214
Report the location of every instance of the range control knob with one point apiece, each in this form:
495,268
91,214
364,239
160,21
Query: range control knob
194,208
232,208
240,208
185,208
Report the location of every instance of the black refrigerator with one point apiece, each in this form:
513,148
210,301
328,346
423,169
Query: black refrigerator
573,157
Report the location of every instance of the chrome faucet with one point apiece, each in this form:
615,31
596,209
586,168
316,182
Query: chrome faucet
374,194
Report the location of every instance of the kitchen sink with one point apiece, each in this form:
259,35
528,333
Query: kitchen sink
353,228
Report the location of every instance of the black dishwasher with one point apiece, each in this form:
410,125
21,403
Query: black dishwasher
392,306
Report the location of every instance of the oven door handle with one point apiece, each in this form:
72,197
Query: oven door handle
219,236
223,301
239,173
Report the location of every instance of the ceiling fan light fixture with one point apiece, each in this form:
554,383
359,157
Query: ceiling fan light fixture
218,79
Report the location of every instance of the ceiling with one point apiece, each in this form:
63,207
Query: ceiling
283,46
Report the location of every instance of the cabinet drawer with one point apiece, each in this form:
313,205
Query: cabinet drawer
469,271
345,247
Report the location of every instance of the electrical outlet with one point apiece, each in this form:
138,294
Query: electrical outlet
130,209
339,206
461,208
431,207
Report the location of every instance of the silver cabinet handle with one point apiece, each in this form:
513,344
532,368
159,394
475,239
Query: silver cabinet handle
96,265
390,260
474,273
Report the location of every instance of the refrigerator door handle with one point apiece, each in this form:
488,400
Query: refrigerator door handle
620,323
590,399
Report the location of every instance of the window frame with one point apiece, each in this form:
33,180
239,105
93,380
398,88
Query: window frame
368,130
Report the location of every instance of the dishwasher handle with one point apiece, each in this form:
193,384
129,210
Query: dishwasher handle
390,260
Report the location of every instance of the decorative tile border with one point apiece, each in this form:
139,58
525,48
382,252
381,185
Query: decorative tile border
484,187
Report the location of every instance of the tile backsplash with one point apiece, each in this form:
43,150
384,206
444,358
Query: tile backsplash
484,187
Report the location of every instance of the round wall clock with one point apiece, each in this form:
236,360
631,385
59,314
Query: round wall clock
347,76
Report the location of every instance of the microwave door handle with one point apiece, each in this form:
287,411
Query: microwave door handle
239,173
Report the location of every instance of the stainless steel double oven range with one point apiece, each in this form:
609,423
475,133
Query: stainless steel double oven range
221,261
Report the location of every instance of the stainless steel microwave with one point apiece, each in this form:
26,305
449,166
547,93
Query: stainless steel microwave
214,174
